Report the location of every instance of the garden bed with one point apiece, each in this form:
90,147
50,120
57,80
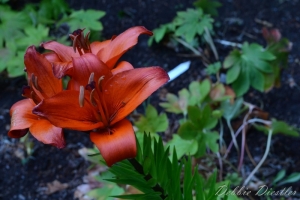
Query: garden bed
29,181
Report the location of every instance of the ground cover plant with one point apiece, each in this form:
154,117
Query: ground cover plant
193,139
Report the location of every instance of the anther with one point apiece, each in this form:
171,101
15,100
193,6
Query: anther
92,98
81,96
99,82
91,78
34,81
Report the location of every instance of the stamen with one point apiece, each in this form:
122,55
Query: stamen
34,81
92,98
74,38
81,96
91,78
99,82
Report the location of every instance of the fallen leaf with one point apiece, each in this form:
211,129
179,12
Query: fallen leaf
55,186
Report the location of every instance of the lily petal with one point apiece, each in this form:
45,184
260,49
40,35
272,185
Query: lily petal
122,66
47,133
63,110
21,118
119,45
118,145
128,89
51,57
86,64
97,46
41,68
65,53
60,69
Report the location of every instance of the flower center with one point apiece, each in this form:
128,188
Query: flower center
81,43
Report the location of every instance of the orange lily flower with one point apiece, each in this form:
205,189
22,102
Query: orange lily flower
42,84
102,103
108,51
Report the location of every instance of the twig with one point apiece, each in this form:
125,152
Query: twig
228,43
250,121
262,160
249,155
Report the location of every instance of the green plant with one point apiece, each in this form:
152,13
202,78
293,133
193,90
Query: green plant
35,24
159,177
208,6
248,67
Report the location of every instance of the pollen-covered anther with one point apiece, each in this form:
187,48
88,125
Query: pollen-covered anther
81,96
92,98
99,82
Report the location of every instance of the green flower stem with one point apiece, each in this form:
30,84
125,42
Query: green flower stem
270,133
139,168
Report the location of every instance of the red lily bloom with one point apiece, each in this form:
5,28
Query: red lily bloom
42,84
102,103
108,51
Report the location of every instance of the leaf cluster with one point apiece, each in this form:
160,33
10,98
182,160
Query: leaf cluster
195,95
151,121
158,177
33,25
188,25
248,67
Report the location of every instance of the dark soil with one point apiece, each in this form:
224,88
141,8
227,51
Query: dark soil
29,181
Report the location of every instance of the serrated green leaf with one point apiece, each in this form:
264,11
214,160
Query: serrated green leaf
183,147
152,122
87,18
213,68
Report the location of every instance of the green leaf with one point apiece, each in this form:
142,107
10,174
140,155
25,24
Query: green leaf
106,191
208,6
257,79
279,176
231,110
211,139
183,147
152,122
160,32
205,87
292,178
34,36
191,23
187,130
213,68
172,104
232,74
242,84
87,18
283,128
15,66
232,58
